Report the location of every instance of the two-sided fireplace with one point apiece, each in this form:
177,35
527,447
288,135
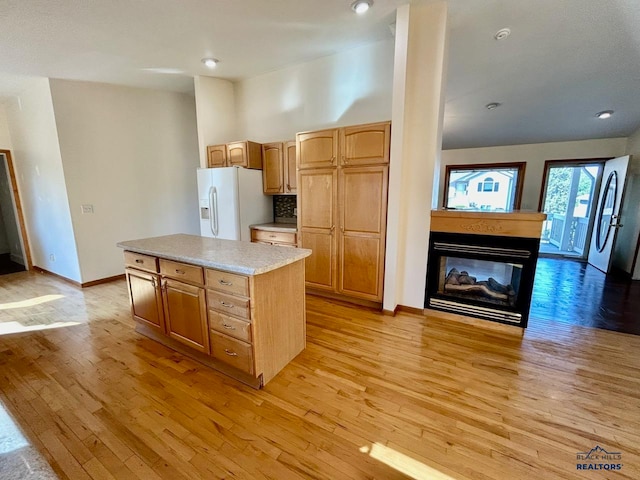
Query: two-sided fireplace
485,270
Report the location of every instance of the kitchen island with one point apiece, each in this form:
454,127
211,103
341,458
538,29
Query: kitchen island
238,307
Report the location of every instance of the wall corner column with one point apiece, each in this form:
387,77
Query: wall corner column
416,144
216,116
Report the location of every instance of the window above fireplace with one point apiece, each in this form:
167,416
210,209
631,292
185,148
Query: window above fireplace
487,187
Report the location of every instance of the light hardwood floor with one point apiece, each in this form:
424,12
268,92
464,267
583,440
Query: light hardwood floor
372,396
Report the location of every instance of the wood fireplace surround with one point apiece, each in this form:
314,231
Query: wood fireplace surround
482,264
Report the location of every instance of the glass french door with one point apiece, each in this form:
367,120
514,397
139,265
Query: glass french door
608,213
569,200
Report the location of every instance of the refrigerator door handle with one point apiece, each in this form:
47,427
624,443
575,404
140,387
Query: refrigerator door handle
213,218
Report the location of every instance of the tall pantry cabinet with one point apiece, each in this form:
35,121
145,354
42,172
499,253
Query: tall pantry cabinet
342,208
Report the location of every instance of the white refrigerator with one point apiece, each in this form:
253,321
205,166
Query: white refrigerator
231,199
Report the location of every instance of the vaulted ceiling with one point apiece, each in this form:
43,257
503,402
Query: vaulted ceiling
563,62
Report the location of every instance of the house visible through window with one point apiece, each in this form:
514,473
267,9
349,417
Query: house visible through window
478,187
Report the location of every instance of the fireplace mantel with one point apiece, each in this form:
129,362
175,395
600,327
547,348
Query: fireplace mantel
523,224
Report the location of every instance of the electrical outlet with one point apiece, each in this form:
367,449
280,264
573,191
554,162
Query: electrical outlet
86,208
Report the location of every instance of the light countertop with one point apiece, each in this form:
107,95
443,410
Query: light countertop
229,255
276,227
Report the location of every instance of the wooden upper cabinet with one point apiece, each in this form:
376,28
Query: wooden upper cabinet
279,168
317,149
361,243
244,154
365,144
216,156
290,170
272,168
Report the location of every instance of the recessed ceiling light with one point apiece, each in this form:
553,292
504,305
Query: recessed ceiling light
361,6
502,33
492,105
604,115
210,62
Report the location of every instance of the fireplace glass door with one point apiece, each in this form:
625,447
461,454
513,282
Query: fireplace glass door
491,282
484,276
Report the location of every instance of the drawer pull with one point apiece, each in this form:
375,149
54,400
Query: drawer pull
139,261
230,353
272,236
179,272
228,327
225,304
227,284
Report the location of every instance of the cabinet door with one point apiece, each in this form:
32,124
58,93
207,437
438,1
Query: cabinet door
317,149
186,314
365,144
290,173
217,156
272,171
145,298
237,154
363,218
244,154
316,225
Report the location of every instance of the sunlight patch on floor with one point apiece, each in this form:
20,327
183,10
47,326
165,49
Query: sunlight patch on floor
10,436
17,327
403,463
30,302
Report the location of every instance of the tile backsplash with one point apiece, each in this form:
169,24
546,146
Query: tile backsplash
284,208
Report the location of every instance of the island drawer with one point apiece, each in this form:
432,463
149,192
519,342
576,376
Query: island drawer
140,261
232,352
181,271
231,326
275,237
228,282
228,304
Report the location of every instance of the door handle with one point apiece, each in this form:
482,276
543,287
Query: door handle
215,211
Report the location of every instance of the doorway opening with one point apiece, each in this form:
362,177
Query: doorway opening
14,246
569,198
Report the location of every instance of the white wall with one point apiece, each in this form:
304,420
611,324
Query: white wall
630,217
5,137
131,153
41,182
420,73
347,88
215,112
534,155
